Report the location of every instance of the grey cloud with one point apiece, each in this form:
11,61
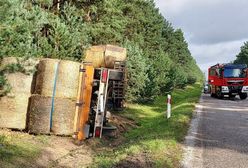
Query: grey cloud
214,29
208,23
211,54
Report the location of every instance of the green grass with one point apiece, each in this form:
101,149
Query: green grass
16,153
156,136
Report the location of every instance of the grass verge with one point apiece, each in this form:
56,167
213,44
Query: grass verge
157,141
17,150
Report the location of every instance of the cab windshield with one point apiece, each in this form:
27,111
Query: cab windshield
234,73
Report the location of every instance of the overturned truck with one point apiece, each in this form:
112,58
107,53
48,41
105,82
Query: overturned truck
101,87
65,97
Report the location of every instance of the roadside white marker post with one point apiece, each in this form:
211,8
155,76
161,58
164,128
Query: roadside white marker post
168,106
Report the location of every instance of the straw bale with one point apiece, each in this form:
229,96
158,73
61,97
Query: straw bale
63,116
39,115
96,57
13,111
13,106
114,53
20,83
105,55
45,77
100,48
67,80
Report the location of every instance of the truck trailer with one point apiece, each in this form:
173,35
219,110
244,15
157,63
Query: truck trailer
228,79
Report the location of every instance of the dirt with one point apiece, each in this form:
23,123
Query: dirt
140,160
123,124
57,151
54,151
62,152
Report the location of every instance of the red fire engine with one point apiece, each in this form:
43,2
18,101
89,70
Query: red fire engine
228,79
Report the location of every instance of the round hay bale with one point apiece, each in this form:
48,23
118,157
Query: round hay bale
105,55
114,53
13,107
45,77
95,55
20,83
39,115
63,116
13,111
67,79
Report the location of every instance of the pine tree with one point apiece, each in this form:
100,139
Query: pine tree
158,55
242,57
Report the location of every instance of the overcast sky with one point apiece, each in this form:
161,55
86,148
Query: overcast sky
214,29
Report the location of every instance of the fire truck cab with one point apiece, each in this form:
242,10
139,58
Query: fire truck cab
228,79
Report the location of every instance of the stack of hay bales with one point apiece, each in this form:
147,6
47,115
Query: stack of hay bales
14,105
52,106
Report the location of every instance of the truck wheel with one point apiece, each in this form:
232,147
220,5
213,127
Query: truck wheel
212,94
243,96
219,95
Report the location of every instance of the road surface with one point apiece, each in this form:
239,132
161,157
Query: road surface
218,136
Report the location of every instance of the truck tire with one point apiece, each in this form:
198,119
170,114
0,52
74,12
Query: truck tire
243,96
219,95
213,95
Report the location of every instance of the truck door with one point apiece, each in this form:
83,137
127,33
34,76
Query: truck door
211,79
211,75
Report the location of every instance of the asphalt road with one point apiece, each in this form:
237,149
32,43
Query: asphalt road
218,136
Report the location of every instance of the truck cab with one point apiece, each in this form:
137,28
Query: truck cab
228,79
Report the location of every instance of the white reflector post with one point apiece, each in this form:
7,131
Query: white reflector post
168,106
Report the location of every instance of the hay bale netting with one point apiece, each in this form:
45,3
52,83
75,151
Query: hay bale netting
39,115
46,72
13,111
67,79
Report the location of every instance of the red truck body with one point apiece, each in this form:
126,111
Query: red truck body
228,79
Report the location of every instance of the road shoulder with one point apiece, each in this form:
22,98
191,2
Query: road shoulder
192,156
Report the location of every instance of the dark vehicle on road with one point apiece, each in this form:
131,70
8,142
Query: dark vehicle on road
228,79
